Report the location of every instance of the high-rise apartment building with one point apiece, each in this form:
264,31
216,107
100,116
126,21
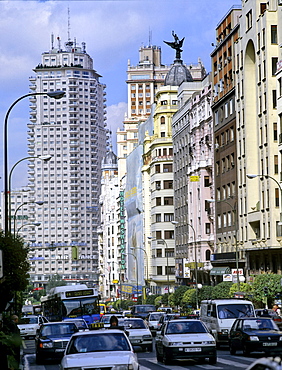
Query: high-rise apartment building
73,131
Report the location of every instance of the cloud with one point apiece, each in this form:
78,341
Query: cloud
115,117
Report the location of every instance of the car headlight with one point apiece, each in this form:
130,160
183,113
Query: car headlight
280,338
122,367
147,336
253,338
209,342
47,345
175,343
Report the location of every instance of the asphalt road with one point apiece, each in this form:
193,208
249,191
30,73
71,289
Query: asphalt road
148,360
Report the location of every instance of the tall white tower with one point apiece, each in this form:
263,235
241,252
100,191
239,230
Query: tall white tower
73,131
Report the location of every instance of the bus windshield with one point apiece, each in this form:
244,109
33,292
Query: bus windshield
80,306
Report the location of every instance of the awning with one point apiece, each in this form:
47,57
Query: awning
220,270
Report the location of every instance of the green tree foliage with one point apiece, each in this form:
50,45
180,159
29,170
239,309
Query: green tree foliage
15,267
188,299
244,287
221,290
272,282
151,299
178,294
55,280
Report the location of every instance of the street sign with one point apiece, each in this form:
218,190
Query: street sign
234,272
194,178
227,277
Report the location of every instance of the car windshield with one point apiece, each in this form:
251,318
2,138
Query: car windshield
81,324
260,324
233,311
60,329
185,327
28,320
134,324
98,343
144,309
155,317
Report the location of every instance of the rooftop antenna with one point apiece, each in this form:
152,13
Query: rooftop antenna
52,41
150,36
68,24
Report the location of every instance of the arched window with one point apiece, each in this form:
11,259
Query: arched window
162,120
208,255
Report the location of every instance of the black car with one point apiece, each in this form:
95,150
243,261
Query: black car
255,334
52,338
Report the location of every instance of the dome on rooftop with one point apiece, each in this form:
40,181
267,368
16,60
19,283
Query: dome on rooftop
177,74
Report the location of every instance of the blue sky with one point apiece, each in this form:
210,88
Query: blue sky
113,32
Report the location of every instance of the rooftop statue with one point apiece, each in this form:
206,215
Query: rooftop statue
176,44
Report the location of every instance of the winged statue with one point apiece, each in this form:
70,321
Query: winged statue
176,44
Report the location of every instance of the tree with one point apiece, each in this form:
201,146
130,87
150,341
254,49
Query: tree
244,287
221,290
178,295
15,267
55,280
266,287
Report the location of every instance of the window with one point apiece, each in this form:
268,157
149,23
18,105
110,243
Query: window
206,181
158,201
159,270
167,167
274,99
208,228
159,252
275,134
157,168
169,234
168,217
168,184
162,120
249,20
262,8
274,34
158,217
276,164
168,201
162,134
274,62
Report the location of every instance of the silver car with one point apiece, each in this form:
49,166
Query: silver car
99,349
29,325
138,333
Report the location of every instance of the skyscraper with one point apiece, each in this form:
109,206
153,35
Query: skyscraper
73,131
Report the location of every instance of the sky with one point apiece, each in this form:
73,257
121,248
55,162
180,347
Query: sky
113,32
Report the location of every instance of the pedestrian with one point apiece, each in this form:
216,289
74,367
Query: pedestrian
276,309
12,330
113,322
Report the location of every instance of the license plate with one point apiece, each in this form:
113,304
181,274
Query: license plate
196,349
269,344
59,350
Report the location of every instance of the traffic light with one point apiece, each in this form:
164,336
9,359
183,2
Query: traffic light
265,291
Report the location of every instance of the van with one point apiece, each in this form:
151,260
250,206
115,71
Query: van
142,310
220,314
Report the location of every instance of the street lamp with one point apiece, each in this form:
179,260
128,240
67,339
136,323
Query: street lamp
196,262
166,252
136,263
53,94
39,203
44,158
233,208
31,224
251,176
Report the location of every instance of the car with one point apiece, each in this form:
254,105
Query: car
266,363
80,323
166,317
105,319
267,312
142,310
28,325
185,339
255,334
52,338
138,333
99,349
152,321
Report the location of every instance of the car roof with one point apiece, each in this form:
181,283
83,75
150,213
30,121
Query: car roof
99,331
55,323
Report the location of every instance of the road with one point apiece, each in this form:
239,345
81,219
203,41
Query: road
148,360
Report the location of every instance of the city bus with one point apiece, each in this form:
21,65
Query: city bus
71,301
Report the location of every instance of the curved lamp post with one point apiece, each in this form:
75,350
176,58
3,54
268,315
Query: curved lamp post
166,252
136,263
233,208
44,158
251,176
31,224
53,94
39,203
196,262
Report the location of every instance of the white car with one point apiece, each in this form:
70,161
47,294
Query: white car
138,333
29,325
153,320
105,319
185,339
99,349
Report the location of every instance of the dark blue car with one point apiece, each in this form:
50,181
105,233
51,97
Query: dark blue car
255,334
52,338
